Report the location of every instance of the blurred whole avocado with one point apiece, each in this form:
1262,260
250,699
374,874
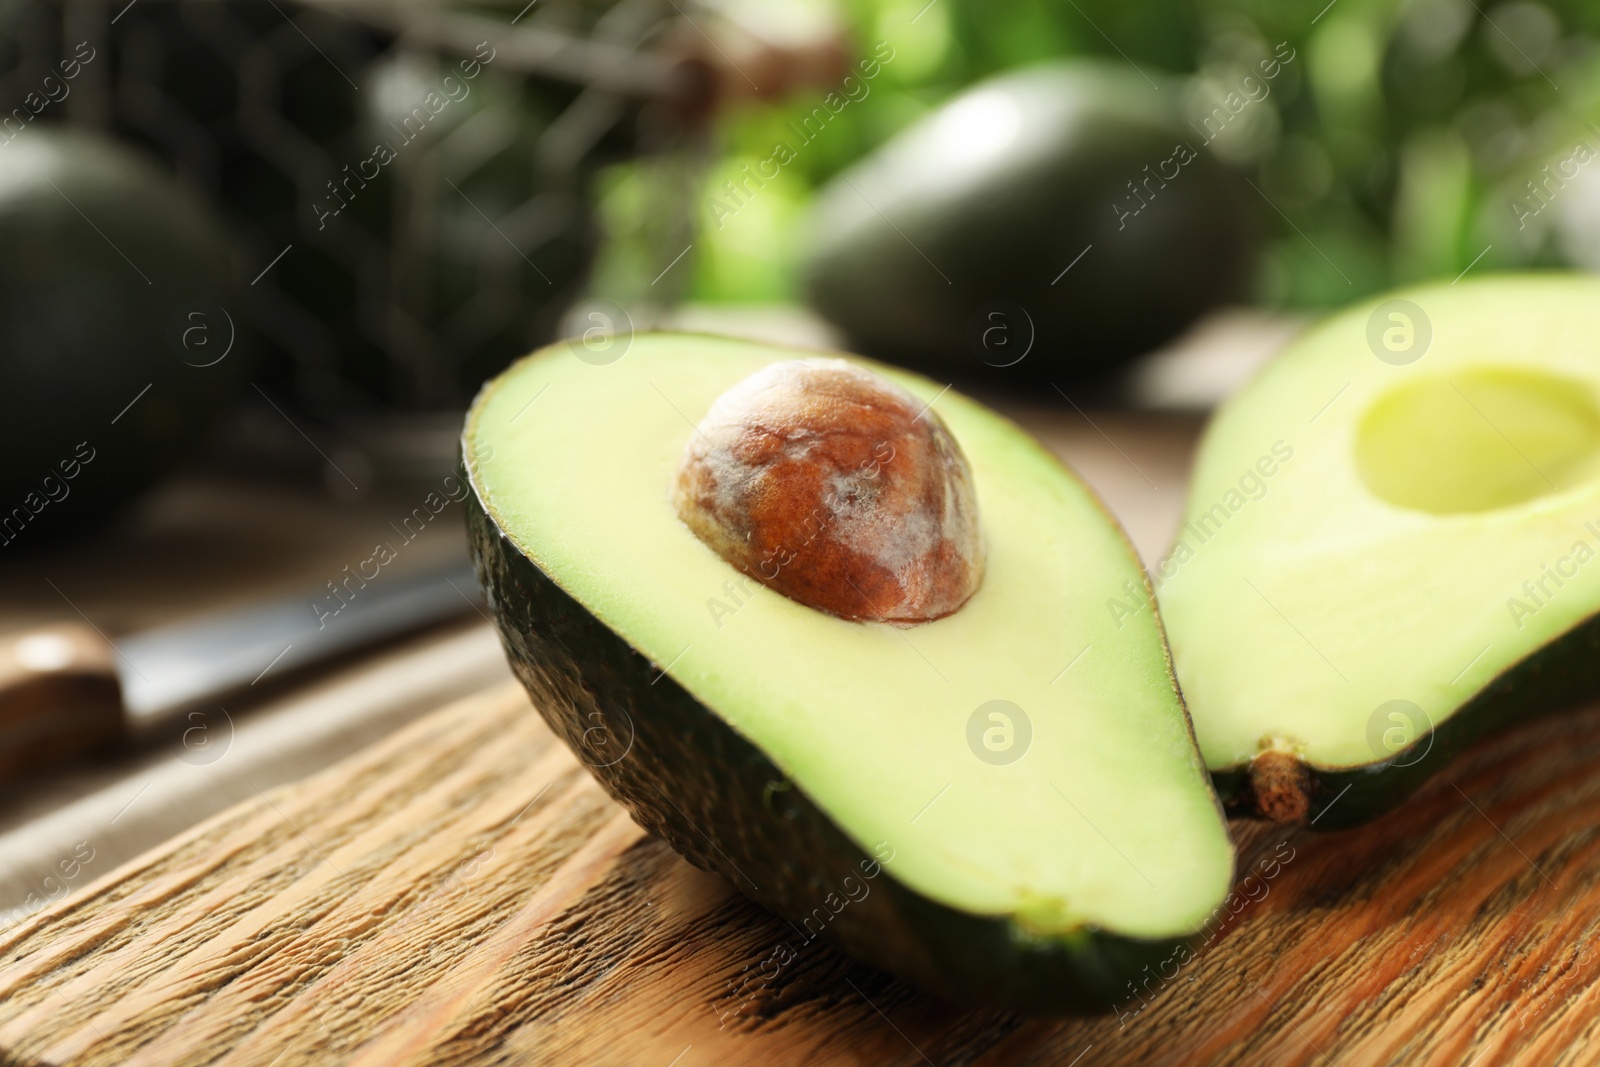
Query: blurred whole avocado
118,314
1042,226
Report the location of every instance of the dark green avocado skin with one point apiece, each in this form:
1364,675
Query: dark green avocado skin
108,381
913,258
686,776
1557,677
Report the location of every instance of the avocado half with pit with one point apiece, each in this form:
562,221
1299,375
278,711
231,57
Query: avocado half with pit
1390,547
1003,803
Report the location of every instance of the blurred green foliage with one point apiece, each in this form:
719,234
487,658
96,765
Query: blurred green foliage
1406,139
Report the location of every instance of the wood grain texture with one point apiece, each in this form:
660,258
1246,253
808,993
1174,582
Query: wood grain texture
463,892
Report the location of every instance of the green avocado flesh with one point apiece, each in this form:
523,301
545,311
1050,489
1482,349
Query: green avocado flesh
1389,546
1039,882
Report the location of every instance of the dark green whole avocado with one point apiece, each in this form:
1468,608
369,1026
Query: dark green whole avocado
118,316
1042,226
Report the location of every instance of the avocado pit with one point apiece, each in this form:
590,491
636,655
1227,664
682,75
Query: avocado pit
838,489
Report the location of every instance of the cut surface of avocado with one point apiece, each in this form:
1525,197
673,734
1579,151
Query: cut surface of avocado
1077,805
1391,539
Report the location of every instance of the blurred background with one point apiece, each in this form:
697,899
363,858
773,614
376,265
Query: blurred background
373,207
1394,141
257,256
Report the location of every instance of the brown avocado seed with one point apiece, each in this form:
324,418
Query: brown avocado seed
838,489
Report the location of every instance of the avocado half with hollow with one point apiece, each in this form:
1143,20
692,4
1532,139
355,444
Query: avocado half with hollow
1390,547
1002,803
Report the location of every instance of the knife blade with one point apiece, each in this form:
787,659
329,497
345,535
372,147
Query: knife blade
67,688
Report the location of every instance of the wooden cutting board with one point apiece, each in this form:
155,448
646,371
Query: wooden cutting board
463,892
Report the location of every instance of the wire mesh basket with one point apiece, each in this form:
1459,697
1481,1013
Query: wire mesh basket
409,183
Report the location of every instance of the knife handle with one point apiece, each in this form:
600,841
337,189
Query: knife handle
59,696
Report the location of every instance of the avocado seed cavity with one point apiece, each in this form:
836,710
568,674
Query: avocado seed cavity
838,489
